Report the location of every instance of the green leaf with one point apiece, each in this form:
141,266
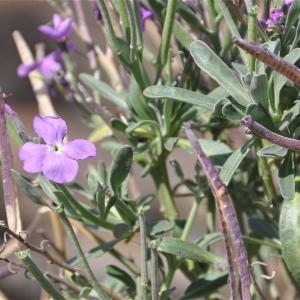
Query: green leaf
290,115
263,227
182,35
103,89
230,112
207,60
286,176
209,239
185,250
211,148
179,94
260,115
259,89
279,79
120,167
290,234
272,46
160,227
292,17
272,150
234,160
123,276
204,286
27,187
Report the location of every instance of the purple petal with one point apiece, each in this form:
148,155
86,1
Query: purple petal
64,29
33,156
145,14
276,14
59,168
56,20
80,149
51,129
49,65
48,31
24,69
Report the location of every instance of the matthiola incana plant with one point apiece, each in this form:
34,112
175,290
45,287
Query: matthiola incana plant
197,103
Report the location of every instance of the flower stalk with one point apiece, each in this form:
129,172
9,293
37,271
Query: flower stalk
9,191
24,257
81,257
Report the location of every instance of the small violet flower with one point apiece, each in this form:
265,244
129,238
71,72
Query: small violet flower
48,65
145,14
61,29
56,159
273,21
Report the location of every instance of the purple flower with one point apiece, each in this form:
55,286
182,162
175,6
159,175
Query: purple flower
61,29
55,159
273,22
48,65
288,2
145,14
276,15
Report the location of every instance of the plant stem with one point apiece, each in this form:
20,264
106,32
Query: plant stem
23,256
144,271
81,258
189,222
154,275
9,191
167,31
252,21
161,179
231,25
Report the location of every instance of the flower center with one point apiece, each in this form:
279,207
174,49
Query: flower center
57,148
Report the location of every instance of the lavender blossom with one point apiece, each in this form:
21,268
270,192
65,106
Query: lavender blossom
145,14
61,29
273,22
56,159
48,65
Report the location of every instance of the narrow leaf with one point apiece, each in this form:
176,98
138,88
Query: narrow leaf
185,250
120,167
207,60
286,177
233,162
179,94
103,89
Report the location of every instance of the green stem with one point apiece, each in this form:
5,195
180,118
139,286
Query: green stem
167,31
23,256
124,19
161,179
252,21
266,175
189,222
144,271
81,257
232,27
154,275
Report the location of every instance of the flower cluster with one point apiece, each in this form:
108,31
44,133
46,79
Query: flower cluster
61,28
49,65
273,23
56,159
